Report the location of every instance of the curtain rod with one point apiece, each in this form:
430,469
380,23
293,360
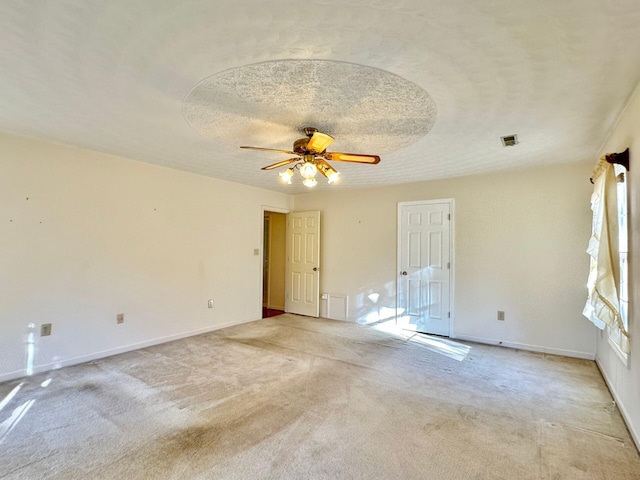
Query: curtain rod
621,158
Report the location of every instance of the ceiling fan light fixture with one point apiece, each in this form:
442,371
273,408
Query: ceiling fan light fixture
286,175
308,170
328,171
310,182
312,158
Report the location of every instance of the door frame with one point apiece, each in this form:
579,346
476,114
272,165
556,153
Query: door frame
451,203
265,208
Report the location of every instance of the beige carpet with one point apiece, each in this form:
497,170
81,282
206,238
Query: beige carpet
297,398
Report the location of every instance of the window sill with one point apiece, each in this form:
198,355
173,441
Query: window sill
624,357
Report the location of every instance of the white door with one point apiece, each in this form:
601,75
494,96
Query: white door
302,294
424,259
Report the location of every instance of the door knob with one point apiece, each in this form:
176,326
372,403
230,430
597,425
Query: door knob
404,273
316,269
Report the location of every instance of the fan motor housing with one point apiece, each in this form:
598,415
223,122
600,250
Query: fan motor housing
300,145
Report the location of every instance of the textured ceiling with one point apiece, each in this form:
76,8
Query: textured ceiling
365,107
116,77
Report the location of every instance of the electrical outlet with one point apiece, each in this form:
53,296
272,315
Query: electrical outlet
210,303
120,318
501,315
45,330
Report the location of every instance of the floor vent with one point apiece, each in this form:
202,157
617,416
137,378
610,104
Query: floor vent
509,140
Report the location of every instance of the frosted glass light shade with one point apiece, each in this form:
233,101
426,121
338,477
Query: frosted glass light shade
310,182
308,170
286,175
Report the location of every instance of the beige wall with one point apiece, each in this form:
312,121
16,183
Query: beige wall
520,241
101,235
624,380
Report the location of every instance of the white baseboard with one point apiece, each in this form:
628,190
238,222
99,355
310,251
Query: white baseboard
115,351
531,348
621,407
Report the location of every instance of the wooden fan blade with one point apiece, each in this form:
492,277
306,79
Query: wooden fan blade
319,142
280,164
352,157
269,149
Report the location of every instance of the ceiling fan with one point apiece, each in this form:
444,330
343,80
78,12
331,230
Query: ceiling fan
312,158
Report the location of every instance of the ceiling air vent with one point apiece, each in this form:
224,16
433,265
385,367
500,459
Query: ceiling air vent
509,140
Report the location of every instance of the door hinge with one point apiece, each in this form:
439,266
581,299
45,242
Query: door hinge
448,216
449,315
449,265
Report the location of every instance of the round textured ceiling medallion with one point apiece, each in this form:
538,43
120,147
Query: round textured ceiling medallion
271,102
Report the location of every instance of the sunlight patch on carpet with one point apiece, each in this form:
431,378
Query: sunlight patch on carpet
443,346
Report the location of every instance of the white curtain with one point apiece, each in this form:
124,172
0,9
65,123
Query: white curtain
603,306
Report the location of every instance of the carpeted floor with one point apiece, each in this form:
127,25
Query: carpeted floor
292,397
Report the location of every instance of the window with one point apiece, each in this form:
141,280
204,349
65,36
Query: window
623,236
607,303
